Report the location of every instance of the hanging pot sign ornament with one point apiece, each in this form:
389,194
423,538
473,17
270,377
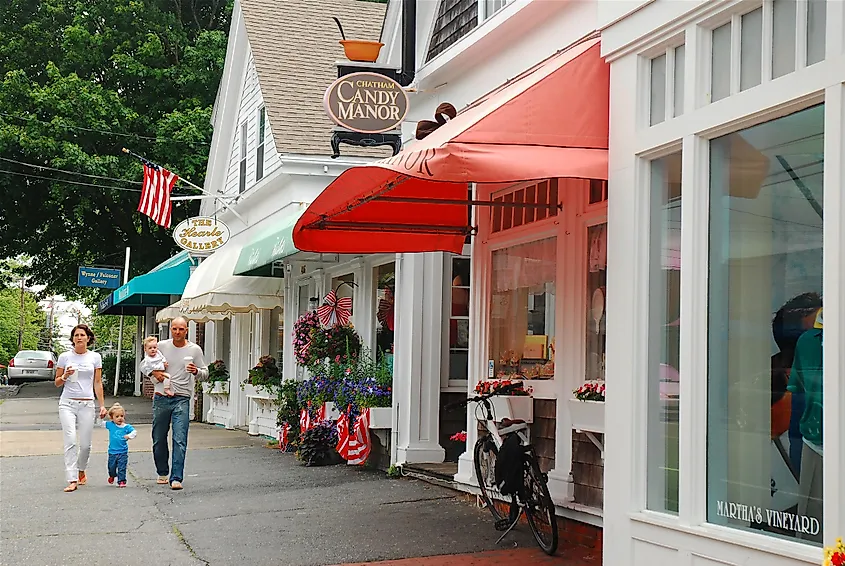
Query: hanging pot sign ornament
367,103
335,311
201,234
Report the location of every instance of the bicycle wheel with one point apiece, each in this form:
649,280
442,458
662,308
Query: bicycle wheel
484,456
539,508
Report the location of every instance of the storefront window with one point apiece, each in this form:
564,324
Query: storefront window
304,298
459,319
522,329
385,278
596,292
664,334
765,446
278,319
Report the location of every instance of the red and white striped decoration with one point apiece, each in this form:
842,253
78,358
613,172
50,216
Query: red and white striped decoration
359,440
155,194
343,434
335,311
305,419
321,413
284,437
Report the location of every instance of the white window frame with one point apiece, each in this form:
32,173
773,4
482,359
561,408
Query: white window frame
260,147
484,13
625,472
242,162
447,384
666,48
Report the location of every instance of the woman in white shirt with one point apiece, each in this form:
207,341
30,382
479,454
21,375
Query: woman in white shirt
80,373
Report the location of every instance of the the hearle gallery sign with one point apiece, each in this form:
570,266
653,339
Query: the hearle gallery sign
201,234
366,103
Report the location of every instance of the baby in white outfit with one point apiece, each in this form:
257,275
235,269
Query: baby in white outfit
155,365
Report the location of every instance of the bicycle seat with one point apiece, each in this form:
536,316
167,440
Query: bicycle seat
510,422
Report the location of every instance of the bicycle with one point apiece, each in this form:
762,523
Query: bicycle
531,498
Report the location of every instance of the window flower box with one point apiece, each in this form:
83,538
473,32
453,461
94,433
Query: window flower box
258,393
216,388
381,417
513,407
587,416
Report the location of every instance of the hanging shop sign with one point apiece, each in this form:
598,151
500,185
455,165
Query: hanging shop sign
367,103
201,234
98,277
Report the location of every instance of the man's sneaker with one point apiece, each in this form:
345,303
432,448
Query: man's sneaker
111,479
121,484
176,485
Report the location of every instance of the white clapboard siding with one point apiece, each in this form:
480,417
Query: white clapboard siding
251,101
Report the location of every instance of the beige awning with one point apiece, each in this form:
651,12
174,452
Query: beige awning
213,288
169,313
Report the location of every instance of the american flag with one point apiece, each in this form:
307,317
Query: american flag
359,441
343,435
305,419
155,194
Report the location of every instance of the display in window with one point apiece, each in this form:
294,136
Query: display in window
765,397
595,300
522,330
459,320
385,278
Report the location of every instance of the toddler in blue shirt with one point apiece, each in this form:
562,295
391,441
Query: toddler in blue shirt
119,432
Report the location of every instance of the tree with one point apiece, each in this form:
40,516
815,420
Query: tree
10,317
107,328
79,81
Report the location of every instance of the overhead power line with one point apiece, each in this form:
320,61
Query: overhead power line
79,183
98,131
36,166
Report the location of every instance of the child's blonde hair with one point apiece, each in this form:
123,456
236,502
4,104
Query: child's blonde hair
149,340
116,408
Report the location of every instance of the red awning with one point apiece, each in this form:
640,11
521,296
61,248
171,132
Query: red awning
552,121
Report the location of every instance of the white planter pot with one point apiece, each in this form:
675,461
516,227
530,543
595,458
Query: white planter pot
332,414
587,416
381,417
260,393
513,407
216,388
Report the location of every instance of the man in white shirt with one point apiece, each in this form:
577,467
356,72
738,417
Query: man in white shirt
184,360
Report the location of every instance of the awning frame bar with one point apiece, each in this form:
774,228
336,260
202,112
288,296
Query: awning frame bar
398,228
492,204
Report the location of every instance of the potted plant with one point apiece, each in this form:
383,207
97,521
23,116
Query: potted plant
317,445
302,337
218,379
264,378
587,407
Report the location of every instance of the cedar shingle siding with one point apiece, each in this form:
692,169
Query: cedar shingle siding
455,19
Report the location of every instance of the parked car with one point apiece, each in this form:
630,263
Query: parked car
32,364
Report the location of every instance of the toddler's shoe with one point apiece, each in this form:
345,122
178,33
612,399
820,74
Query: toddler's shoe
111,479
121,484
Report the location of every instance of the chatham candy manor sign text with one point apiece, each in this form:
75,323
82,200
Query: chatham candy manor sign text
367,103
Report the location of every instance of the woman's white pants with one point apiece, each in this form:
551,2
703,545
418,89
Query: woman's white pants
77,418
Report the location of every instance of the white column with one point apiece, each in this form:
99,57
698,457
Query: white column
240,366
418,342
834,308
291,313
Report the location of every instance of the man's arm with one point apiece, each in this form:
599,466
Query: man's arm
202,367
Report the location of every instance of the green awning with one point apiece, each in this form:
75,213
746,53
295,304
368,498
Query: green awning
153,289
258,256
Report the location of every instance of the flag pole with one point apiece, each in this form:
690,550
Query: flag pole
215,196
120,332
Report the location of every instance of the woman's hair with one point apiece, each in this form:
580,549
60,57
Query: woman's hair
87,330
149,340
116,408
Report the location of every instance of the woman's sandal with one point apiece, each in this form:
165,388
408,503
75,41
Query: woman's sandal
83,479
72,486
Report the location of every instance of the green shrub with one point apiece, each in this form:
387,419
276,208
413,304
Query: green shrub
126,385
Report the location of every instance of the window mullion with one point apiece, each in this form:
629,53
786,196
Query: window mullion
669,106
736,52
768,40
801,8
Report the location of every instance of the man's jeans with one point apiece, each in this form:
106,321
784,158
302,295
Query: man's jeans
117,466
167,410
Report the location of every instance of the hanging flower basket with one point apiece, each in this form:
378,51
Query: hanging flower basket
361,50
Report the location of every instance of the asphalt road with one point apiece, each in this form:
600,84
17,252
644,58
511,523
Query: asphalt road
242,504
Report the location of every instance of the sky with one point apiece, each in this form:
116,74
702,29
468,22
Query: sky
65,315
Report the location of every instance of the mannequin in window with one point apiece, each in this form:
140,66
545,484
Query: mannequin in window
806,378
789,323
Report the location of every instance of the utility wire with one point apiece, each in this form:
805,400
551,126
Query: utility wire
95,130
126,189
69,172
